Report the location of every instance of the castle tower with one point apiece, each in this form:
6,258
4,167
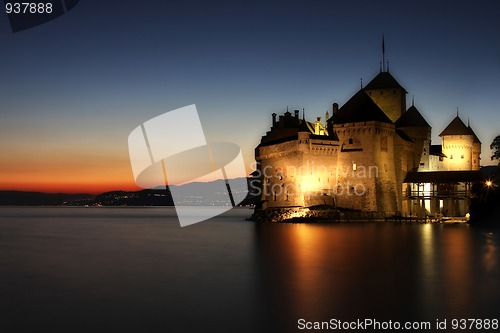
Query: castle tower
366,157
458,143
416,127
388,94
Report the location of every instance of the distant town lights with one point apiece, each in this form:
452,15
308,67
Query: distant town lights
488,183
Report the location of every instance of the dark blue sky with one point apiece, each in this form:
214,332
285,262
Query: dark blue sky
79,84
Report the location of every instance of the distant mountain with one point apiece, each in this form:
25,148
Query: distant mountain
20,198
191,194
153,197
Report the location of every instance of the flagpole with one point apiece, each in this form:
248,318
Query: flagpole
383,53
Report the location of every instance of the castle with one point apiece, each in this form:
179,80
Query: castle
372,154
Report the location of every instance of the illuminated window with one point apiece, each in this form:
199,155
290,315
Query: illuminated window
354,167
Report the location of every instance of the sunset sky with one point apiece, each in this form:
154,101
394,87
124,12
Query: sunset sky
72,90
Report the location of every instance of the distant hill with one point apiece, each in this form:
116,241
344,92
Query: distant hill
20,198
191,194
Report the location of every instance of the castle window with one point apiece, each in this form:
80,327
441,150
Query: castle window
451,157
381,92
354,167
462,156
350,141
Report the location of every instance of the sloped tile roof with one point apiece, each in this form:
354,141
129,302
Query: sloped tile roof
412,118
383,80
476,139
456,127
360,108
443,177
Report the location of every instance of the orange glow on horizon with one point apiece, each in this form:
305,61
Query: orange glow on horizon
68,170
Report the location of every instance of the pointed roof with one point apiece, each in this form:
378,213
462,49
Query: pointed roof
360,108
383,80
303,126
476,139
403,135
456,127
412,118
303,123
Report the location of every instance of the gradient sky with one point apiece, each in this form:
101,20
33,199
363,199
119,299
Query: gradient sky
73,89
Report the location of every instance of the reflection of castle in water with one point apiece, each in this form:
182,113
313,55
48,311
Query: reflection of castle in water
371,154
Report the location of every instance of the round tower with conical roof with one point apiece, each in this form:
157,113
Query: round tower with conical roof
458,144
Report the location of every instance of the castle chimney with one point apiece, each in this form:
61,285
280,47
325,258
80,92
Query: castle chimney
274,118
335,108
296,113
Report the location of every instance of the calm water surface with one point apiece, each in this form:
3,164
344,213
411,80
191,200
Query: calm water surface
135,270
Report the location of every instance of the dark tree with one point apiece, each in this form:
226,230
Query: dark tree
495,147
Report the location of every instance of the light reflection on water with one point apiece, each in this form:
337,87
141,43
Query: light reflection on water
380,271
135,270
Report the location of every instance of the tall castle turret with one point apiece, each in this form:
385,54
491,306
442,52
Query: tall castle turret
418,129
458,146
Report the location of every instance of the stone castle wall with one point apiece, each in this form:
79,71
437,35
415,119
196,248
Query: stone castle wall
297,172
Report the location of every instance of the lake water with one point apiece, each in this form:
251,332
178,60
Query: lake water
135,270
